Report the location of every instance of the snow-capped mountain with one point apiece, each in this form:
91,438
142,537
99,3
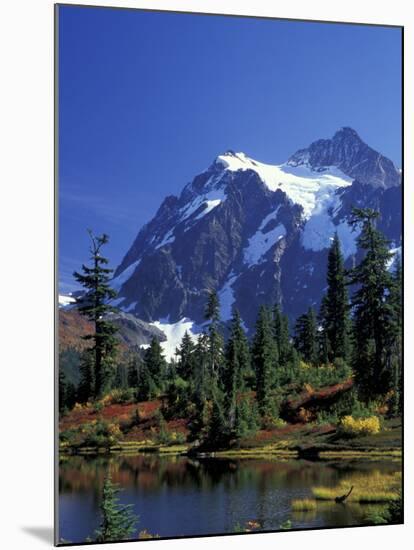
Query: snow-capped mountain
257,233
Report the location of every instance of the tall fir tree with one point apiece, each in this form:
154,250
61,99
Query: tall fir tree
372,309
306,336
177,402
215,338
237,357
394,357
281,332
133,371
146,387
121,376
212,309
201,386
265,361
186,357
67,392
86,387
335,320
62,390
247,417
155,364
202,375
217,429
118,521
94,305
324,348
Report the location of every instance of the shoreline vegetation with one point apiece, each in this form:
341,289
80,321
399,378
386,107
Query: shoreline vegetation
259,452
113,429
291,441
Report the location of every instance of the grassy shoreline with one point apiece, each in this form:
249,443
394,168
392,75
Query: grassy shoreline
266,452
87,433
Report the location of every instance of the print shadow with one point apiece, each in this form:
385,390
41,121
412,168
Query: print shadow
43,533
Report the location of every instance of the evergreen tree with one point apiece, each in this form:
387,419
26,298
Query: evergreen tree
281,332
118,521
306,336
67,392
62,390
237,357
94,305
133,371
201,387
202,376
177,398
265,361
212,311
394,344
146,387
87,379
247,417
121,376
217,434
154,363
186,357
324,348
215,339
70,395
335,308
372,309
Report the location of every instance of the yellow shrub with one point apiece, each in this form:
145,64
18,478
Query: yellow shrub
114,431
304,415
360,426
106,400
308,388
143,535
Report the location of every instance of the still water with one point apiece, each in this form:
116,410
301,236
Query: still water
175,496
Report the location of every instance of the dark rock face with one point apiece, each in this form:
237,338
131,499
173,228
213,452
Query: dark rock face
173,280
352,156
232,231
387,201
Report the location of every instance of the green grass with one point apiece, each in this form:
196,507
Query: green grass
303,505
173,449
375,488
278,450
375,454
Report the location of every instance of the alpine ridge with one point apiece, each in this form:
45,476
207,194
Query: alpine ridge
257,233
352,156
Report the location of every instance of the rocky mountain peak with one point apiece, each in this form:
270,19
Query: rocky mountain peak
346,132
230,159
350,154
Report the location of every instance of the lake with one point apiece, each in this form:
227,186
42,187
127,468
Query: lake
176,496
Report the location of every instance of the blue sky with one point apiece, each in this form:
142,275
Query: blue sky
147,100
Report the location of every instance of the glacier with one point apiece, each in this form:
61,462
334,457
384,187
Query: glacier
174,333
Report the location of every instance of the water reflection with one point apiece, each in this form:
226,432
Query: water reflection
181,496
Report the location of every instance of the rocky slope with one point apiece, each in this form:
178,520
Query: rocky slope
132,333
